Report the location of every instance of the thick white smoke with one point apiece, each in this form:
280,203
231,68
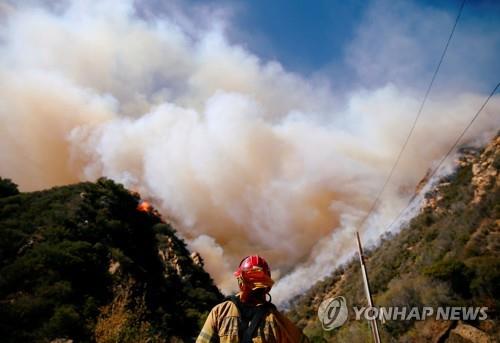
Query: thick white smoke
244,156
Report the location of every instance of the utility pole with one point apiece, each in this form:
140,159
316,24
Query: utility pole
373,322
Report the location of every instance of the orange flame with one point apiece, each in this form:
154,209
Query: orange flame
144,206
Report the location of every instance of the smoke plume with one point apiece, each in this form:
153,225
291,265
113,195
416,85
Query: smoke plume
241,154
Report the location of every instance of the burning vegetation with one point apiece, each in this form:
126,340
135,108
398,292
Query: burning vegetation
145,206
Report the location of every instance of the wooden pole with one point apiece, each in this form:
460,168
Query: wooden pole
373,322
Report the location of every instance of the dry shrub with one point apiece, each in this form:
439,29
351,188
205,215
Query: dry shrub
123,319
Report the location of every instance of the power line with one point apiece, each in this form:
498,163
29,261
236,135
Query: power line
414,124
434,171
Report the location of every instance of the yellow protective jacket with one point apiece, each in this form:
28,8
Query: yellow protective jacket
222,325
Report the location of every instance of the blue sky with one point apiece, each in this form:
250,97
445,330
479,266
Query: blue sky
301,36
318,37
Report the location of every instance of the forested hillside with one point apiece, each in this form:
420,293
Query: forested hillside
90,262
448,255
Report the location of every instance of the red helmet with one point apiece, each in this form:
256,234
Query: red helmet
253,273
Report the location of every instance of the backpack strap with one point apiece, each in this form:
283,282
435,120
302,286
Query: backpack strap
260,313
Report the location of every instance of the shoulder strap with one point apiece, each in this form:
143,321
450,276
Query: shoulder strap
254,323
260,313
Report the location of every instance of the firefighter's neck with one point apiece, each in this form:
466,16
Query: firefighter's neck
253,298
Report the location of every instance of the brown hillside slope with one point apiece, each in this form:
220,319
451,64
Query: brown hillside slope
448,255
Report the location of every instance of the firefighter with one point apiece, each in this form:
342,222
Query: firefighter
249,316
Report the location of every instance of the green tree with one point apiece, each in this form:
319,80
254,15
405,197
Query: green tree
7,188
